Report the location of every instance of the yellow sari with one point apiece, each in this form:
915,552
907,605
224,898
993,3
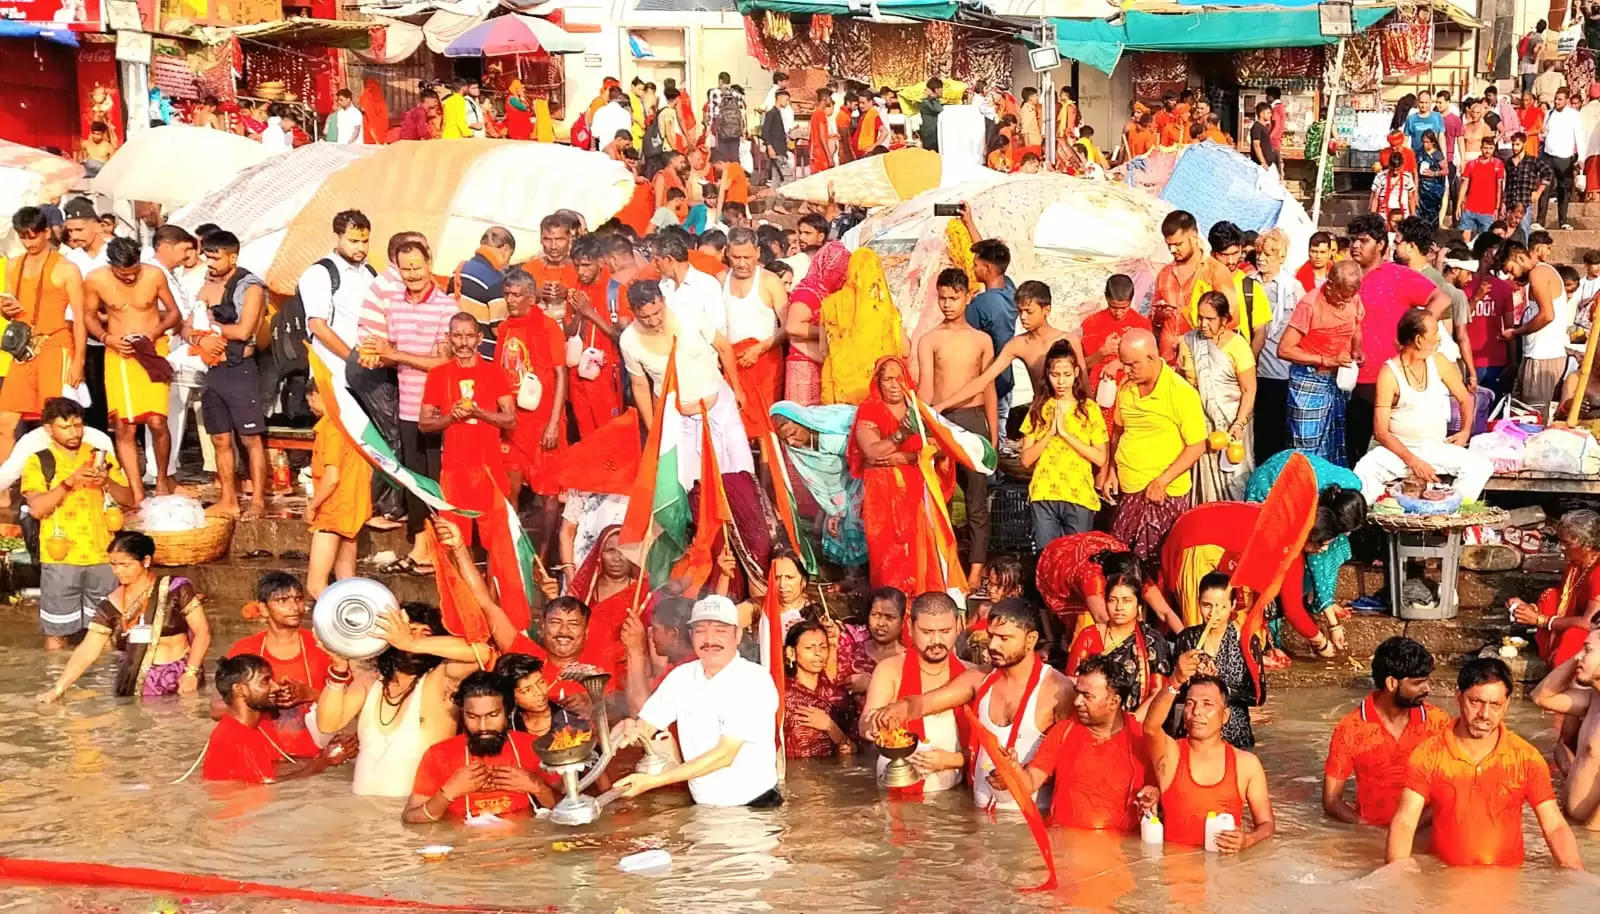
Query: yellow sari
862,326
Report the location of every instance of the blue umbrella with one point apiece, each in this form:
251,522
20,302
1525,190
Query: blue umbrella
514,34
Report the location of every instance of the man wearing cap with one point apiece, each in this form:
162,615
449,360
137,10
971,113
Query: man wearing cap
726,710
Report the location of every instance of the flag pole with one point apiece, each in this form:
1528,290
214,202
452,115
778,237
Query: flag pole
638,583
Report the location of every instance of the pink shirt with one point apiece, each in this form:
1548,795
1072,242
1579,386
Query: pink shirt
1386,293
411,327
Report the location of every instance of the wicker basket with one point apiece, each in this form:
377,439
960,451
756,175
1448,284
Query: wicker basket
194,547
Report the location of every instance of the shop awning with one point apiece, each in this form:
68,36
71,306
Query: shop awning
1063,9
331,33
916,9
1100,44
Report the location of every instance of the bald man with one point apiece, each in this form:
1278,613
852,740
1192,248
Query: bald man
1159,432
1324,333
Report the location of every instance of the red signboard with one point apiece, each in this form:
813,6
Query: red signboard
77,15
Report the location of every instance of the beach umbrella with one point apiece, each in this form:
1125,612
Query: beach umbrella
884,180
175,164
514,34
451,191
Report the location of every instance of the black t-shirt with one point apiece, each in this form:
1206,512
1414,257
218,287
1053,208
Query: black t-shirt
1262,133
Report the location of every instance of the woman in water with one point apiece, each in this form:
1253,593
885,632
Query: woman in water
1126,639
1221,653
157,626
818,712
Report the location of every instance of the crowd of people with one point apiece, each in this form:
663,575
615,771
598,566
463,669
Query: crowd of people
1114,661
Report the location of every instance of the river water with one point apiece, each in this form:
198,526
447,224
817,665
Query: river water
90,781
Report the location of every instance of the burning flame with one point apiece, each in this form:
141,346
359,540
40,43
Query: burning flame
569,738
898,738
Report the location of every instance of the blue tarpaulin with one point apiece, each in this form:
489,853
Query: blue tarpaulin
1215,183
1100,44
48,31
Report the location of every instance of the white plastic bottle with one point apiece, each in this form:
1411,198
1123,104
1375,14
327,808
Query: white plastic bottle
1151,831
1216,824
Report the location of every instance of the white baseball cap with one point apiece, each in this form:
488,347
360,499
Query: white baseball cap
715,608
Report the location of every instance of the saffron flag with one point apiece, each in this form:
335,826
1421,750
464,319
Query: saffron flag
511,562
461,613
938,558
1278,539
605,460
348,416
657,522
1011,775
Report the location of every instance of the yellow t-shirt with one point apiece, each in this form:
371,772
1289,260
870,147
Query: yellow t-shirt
1259,309
1237,349
81,516
1155,429
454,113
1063,474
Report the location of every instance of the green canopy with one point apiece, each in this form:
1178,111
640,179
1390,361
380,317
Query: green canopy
1100,44
915,9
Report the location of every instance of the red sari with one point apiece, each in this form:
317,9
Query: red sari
533,344
1579,587
606,615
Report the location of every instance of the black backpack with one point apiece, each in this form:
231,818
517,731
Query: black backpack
653,146
730,117
290,334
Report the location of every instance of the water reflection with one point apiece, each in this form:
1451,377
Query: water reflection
90,781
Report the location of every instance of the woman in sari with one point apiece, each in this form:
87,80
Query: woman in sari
608,583
862,326
1431,176
818,715
519,113
1221,652
830,268
374,112
884,453
1218,361
1127,640
816,439
1564,616
158,627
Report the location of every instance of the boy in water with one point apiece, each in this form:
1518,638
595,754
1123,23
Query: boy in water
952,357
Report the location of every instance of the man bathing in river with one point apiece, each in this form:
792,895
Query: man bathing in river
246,746
1017,702
1570,689
488,770
928,666
139,312
1374,741
1475,775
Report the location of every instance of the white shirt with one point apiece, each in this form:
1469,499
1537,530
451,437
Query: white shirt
86,264
739,702
274,137
1564,137
609,121
342,310
345,125
1549,341
700,295
699,372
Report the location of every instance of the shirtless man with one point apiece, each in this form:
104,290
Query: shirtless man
928,666
1028,347
1192,773
952,357
1570,689
99,145
1017,702
234,299
139,312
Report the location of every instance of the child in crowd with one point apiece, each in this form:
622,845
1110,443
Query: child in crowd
1065,441
784,272
341,501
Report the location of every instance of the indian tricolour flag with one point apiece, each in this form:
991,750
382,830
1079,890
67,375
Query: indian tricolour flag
341,406
511,562
972,451
657,521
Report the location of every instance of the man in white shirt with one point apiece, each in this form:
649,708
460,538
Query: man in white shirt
278,136
1564,144
345,123
686,289
726,710
85,249
177,253
331,290
614,117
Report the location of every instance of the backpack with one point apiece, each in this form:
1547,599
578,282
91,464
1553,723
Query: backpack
1247,302
730,118
290,333
653,146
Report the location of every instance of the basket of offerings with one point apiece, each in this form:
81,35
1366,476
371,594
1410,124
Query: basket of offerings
183,533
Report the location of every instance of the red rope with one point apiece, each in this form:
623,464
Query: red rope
58,872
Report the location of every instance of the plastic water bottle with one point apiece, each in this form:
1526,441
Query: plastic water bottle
1151,831
1216,824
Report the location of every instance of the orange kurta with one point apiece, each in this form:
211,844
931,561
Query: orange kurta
349,508
44,308
738,184
867,131
821,157
533,344
596,401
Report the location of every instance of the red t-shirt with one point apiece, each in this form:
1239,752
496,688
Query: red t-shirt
1386,293
1489,305
592,654
1095,782
309,667
443,759
236,752
1363,746
483,384
1098,327
1477,809
1326,330
1483,176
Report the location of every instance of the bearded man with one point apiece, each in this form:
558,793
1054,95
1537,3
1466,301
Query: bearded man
488,770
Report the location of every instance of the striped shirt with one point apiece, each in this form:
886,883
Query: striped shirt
416,328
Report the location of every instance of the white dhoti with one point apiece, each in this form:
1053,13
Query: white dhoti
1381,466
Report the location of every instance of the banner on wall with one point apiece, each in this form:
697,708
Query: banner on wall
219,12
77,15
99,98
